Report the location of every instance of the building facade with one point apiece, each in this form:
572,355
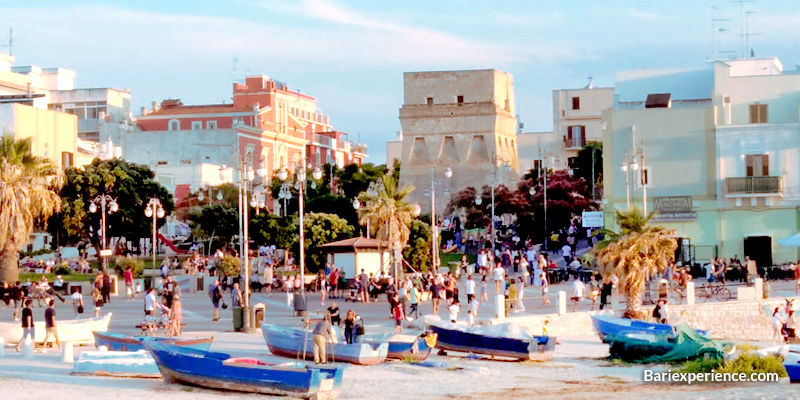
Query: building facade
464,120
719,148
268,126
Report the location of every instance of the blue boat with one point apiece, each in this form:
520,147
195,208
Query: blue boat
792,363
221,371
455,338
296,343
121,342
407,347
606,325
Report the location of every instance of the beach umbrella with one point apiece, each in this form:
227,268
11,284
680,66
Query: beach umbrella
790,241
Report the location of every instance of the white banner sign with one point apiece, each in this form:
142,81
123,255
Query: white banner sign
592,219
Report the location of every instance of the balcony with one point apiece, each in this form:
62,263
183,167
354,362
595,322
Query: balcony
754,186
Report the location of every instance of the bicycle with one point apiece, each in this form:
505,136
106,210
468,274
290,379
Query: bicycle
719,292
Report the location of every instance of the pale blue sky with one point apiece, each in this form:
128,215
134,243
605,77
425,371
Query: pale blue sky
351,55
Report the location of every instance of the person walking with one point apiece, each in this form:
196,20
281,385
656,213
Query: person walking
320,338
97,297
498,273
50,325
77,303
545,286
594,290
437,291
130,293
175,316
469,287
398,314
777,326
484,290
605,292
413,298
28,328
578,291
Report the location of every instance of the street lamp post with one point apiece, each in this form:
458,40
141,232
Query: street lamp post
300,172
506,167
156,211
201,196
112,207
633,164
448,173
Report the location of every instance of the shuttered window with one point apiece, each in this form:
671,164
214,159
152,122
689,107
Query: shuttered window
758,114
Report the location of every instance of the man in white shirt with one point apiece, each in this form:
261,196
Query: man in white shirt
470,288
483,260
575,267
578,290
499,274
566,252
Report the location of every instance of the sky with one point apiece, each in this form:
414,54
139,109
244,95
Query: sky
351,55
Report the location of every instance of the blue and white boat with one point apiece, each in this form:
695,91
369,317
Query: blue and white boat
493,341
297,343
121,342
606,325
791,362
221,371
406,347
121,364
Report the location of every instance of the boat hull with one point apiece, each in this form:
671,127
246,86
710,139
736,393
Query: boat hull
540,348
119,342
419,349
296,343
617,327
119,364
214,370
792,364
75,331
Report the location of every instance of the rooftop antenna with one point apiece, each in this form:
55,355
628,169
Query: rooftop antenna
10,44
591,84
743,27
715,27
747,34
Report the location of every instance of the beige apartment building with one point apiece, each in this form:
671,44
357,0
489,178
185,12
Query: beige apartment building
464,120
720,149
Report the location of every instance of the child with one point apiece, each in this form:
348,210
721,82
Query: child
454,308
175,317
472,314
398,314
484,290
511,298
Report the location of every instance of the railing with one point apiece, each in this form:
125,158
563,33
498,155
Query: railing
754,184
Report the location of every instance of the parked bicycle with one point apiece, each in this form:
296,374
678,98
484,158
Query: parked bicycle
717,292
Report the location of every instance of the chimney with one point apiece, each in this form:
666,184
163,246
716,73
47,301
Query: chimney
155,106
143,111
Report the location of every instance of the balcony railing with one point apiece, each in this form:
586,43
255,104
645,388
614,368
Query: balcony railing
754,185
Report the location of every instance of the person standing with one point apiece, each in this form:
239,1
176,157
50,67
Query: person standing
454,308
129,290
215,293
578,291
349,326
50,325
97,297
777,326
288,287
545,286
398,314
413,298
436,295
18,296
320,338
594,290
660,312
28,328
469,287
106,287
175,316
236,296
605,292
498,273
566,253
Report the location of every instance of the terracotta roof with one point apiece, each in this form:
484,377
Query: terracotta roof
173,109
358,242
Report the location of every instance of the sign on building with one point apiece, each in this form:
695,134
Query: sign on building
592,219
674,208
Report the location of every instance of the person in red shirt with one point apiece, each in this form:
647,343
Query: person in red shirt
397,313
129,290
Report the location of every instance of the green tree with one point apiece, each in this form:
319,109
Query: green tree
132,185
590,167
28,194
389,212
418,251
354,178
216,222
567,196
320,228
274,230
637,252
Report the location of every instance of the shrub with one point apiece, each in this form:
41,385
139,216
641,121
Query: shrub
746,362
62,270
137,265
229,265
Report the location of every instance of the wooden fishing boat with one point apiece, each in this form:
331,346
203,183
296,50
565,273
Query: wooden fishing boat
471,340
121,364
406,347
296,343
121,342
221,371
606,325
791,362
78,331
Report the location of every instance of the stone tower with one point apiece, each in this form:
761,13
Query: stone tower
464,120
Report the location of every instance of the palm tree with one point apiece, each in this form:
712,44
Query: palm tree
387,209
28,194
635,254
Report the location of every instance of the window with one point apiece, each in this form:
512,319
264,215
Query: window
186,162
757,165
758,114
162,163
572,162
576,103
197,125
430,101
460,99
174,125
211,125
576,136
